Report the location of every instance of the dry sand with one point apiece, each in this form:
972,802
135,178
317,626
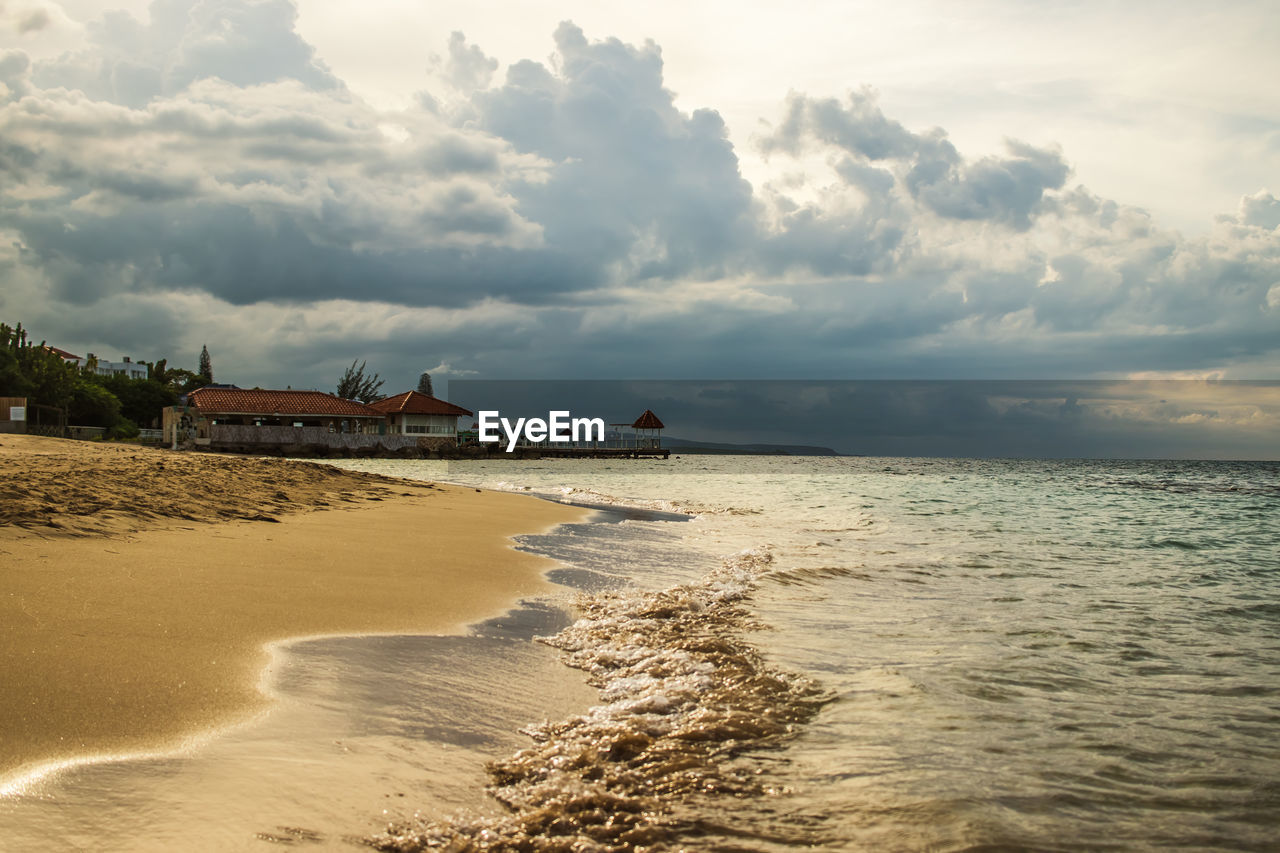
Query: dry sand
128,621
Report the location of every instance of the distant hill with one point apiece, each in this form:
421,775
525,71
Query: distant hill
684,445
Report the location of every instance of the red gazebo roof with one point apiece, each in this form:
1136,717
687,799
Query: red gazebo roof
648,421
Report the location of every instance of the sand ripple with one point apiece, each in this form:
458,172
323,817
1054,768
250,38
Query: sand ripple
84,488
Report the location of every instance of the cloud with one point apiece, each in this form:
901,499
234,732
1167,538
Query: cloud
32,21
259,192
244,42
858,126
446,369
35,23
467,68
566,217
13,75
637,189
1008,189
1261,210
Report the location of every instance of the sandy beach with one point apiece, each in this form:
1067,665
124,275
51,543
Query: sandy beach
141,586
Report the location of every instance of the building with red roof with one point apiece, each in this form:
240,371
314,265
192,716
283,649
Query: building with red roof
255,420
415,413
128,367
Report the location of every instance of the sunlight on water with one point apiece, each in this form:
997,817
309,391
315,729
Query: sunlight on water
1022,654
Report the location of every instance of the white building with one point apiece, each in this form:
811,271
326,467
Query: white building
412,413
127,367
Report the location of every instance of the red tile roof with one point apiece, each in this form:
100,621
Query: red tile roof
61,353
237,401
417,403
648,421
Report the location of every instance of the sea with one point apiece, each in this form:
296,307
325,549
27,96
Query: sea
776,653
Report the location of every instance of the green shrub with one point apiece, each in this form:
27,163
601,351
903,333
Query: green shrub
92,405
123,428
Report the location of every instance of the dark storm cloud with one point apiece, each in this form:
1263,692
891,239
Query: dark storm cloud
1009,189
831,243
283,257
637,190
138,328
567,218
1052,418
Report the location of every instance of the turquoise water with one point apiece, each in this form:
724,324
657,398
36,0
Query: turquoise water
998,654
1050,654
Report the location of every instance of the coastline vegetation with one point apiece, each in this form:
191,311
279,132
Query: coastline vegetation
118,403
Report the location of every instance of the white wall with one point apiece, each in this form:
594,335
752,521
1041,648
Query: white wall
132,369
424,425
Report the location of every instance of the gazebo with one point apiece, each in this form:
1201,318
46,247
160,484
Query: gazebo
648,430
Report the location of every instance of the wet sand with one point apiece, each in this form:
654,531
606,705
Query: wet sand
129,622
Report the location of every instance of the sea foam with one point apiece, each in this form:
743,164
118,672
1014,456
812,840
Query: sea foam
682,690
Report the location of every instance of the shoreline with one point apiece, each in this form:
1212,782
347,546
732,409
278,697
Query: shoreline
134,642
365,732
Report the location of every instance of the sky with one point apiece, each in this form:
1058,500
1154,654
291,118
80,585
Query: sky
564,190
1090,419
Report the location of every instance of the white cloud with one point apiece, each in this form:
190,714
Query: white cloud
203,171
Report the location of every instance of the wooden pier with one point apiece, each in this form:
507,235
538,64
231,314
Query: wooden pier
644,442
552,452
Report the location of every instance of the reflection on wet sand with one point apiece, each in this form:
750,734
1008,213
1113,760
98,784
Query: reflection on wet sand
366,730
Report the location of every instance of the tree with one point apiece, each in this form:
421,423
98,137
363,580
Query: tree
34,371
205,371
13,380
141,400
424,384
177,379
354,385
92,405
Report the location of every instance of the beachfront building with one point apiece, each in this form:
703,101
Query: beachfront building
294,409
237,418
415,413
304,422
127,367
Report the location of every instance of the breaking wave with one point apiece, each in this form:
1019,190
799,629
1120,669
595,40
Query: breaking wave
682,694
592,497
